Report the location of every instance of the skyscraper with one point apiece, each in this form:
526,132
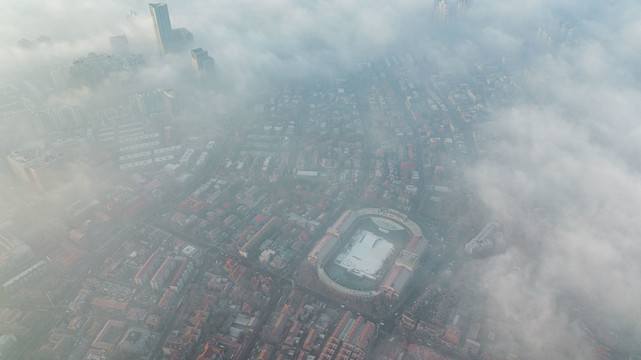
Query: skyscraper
119,44
203,63
169,39
162,25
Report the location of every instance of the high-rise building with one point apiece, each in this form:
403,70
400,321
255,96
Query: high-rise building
162,25
119,44
92,69
168,39
203,63
158,102
14,253
63,118
45,169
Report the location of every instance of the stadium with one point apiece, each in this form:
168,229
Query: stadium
368,253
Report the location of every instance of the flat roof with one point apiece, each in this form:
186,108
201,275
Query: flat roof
365,254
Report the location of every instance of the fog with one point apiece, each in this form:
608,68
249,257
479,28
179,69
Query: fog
561,168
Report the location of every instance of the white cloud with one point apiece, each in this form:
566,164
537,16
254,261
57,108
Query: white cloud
565,174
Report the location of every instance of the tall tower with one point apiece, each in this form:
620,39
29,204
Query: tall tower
119,44
162,25
203,63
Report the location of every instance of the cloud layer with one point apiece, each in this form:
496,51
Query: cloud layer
563,175
562,171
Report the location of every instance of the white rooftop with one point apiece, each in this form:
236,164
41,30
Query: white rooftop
365,255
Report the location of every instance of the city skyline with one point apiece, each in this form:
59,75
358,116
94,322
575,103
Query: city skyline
444,179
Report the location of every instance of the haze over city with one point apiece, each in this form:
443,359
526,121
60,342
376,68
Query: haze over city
435,179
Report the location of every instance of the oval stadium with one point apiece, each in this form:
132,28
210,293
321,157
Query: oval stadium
368,253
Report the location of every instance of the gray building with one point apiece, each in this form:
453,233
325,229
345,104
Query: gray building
203,63
119,44
162,25
169,40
